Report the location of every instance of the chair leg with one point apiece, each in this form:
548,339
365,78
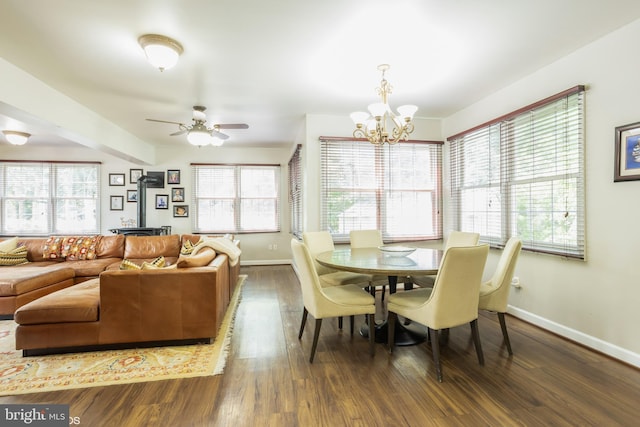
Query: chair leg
340,322
435,349
304,321
372,334
384,287
351,319
476,340
316,334
505,334
391,323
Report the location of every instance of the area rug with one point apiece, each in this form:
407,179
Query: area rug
19,375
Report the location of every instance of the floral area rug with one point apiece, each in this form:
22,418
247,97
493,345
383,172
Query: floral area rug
20,375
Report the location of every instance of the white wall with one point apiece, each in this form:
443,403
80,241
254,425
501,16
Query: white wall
596,302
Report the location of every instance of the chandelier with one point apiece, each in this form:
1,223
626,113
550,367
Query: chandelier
373,125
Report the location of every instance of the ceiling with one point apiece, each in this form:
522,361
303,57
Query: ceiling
268,63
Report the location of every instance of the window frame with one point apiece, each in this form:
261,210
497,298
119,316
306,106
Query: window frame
527,170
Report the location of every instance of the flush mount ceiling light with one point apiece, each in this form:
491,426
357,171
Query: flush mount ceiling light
15,137
161,51
373,125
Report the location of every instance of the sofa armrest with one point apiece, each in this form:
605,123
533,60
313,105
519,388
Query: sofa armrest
163,304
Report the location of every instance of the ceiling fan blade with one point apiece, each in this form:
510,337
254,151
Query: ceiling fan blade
180,132
165,121
232,126
219,135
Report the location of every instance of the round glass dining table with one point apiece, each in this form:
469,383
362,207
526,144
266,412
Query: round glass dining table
420,262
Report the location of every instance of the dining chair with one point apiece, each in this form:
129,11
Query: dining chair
494,293
451,302
369,239
456,238
334,301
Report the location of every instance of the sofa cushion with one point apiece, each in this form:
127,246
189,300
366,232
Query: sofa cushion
77,303
15,256
202,258
150,247
22,279
111,246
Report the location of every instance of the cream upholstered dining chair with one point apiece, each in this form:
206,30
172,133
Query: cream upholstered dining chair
369,239
494,294
456,238
453,300
333,301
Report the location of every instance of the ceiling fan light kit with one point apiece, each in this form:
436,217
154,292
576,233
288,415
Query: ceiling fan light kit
161,51
373,125
15,137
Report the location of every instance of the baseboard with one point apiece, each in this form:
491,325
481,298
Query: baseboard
597,344
266,262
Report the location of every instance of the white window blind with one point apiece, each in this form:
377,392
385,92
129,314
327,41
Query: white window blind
395,189
236,198
43,198
295,192
523,175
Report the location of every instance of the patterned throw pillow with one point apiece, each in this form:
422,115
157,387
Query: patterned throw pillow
80,248
188,247
128,265
15,256
159,262
52,248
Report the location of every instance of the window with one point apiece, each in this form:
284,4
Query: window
395,189
295,192
42,198
523,175
236,198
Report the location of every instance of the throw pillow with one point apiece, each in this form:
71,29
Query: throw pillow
80,248
150,266
128,265
188,247
9,244
202,258
15,256
52,248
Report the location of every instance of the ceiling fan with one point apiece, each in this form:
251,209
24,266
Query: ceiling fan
198,133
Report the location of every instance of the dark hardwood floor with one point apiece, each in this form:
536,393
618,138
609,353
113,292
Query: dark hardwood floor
269,382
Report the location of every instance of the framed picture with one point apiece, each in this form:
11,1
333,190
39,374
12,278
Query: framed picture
132,196
155,179
177,194
116,179
134,174
627,153
173,176
180,211
117,202
162,201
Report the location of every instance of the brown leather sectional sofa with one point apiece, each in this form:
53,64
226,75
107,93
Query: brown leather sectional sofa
72,305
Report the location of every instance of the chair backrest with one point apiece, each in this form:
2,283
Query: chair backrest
495,294
365,238
318,242
461,238
454,299
309,281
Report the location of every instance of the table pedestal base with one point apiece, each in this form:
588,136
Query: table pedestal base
403,336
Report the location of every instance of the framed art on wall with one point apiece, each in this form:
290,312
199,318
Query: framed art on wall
134,174
117,203
132,196
177,194
116,179
162,201
627,153
180,211
155,179
173,176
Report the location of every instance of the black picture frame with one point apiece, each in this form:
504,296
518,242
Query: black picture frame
116,179
116,203
132,196
177,194
627,153
173,176
162,201
134,174
181,211
155,179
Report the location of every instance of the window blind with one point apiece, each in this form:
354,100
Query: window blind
42,198
395,189
523,175
236,198
295,192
